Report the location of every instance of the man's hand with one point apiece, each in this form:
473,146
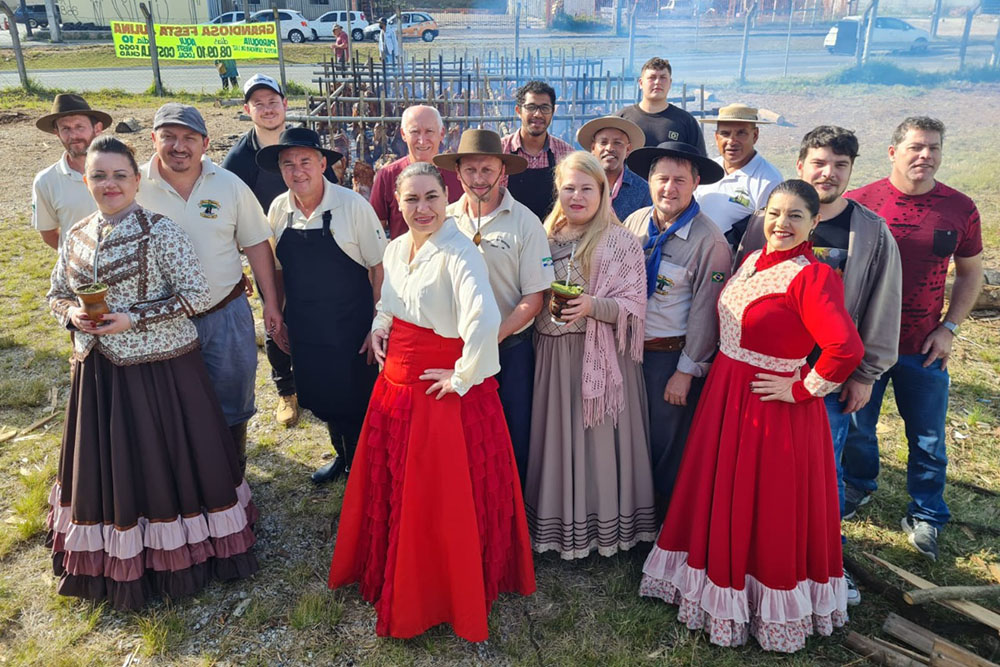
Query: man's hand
379,342
272,319
247,287
280,338
937,345
366,347
854,395
678,386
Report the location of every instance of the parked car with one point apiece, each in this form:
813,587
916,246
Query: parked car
415,24
36,15
229,17
294,27
324,24
889,34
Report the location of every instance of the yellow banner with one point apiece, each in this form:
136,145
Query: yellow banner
241,41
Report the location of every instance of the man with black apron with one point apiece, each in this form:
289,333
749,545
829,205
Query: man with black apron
535,186
329,247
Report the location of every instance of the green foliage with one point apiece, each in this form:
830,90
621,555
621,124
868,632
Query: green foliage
584,24
884,72
316,610
296,88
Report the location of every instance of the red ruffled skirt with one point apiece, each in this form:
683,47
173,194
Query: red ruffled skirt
751,543
433,523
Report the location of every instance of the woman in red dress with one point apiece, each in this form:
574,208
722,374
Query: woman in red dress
433,523
751,543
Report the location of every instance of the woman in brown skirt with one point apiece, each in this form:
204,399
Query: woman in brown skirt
589,485
149,499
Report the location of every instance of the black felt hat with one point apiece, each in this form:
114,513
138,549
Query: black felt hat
709,170
295,137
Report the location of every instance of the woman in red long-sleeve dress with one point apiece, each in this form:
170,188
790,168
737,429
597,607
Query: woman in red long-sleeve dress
751,544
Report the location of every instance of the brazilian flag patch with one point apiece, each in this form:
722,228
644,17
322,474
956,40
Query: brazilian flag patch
718,276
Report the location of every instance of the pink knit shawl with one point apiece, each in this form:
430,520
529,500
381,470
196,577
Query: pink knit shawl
617,271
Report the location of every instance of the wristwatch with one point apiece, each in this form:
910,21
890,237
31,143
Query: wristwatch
950,326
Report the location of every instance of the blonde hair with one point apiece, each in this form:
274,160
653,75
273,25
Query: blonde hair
585,163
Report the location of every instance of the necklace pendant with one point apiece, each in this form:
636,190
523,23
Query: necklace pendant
477,238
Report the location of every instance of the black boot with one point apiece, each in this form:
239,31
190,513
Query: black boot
338,465
239,433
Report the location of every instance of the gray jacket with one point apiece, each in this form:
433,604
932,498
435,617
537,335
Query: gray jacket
873,286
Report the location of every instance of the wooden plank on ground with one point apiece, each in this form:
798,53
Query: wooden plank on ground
944,652
970,609
928,642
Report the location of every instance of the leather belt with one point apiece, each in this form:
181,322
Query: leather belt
238,288
514,339
670,344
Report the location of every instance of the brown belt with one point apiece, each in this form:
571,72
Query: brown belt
671,344
238,289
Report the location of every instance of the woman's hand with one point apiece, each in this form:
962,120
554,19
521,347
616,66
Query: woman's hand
111,323
78,316
442,381
379,345
581,306
774,387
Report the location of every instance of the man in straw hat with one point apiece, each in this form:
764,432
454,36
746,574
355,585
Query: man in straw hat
329,247
516,251
221,215
610,139
59,197
749,177
687,263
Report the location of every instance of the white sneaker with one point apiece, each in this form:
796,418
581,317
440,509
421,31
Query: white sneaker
853,594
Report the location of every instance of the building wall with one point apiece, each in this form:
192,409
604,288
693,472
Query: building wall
103,12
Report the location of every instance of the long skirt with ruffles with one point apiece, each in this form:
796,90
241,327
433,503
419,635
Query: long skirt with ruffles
433,523
149,500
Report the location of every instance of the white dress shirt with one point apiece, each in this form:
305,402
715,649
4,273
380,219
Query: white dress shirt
445,288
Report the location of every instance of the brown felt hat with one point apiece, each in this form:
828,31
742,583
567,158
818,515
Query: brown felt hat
67,104
585,135
481,142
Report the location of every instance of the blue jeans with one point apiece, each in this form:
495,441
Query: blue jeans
922,400
229,347
840,425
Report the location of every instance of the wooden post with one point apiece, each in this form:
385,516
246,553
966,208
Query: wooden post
15,40
927,642
153,54
746,42
684,96
281,51
923,596
969,16
869,31
877,652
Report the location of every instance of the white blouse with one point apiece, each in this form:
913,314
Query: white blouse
445,288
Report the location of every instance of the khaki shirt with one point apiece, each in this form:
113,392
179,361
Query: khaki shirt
221,216
515,248
694,266
59,198
352,223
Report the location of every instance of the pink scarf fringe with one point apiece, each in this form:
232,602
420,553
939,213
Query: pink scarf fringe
617,272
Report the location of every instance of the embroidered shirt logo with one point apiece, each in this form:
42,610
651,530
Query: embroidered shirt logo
546,262
718,276
209,208
742,197
663,284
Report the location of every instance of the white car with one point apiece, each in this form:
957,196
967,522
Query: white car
324,24
294,27
889,34
228,17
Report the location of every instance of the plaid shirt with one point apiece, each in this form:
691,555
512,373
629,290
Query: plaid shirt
512,144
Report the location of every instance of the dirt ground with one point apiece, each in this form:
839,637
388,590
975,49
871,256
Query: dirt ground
285,614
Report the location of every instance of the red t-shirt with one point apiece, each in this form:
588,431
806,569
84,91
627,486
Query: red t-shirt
383,195
928,229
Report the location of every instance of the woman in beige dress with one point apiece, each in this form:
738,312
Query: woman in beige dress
589,484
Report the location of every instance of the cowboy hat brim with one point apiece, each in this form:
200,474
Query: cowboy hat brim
48,123
640,159
718,119
585,135
514,164
267,157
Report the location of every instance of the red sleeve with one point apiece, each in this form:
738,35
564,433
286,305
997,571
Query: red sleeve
817,293
972,238
381,190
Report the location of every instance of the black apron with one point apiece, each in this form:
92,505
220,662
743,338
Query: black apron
328,312
536,188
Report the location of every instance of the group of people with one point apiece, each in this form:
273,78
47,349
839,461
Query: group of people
517,346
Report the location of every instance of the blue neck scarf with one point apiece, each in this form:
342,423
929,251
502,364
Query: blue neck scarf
654,246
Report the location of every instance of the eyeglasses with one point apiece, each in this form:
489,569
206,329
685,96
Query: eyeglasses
544,109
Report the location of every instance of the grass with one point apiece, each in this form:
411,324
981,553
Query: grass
584,613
